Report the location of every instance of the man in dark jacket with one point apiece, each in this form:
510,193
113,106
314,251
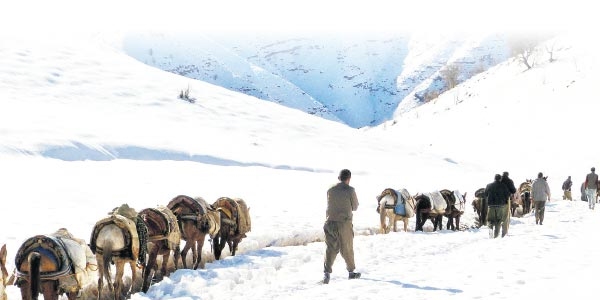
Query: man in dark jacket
339,232
591,187
497,195
566,187
513,190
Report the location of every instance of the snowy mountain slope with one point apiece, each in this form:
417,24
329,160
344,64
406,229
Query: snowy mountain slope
516,118
360,79
63,99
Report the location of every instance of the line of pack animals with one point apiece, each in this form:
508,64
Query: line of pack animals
60,263
399,205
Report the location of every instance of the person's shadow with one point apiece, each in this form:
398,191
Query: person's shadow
413,286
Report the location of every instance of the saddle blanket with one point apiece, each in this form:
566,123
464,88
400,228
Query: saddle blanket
438,202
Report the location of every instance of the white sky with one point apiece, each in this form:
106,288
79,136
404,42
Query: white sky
65,100
312,15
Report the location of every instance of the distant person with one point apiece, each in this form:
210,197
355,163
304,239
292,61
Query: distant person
497,195
566,187
591,187
339,232
540,192
513,190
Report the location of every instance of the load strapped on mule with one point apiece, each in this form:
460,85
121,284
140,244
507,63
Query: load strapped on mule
63,257
163,215
133,228
237,215
401,202
197,210
395,205
438,203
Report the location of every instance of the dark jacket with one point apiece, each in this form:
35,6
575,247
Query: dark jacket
591,181
509,184
497,193
567,185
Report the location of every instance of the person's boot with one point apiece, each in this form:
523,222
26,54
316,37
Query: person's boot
353,275
326,278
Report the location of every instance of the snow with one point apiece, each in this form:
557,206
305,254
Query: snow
85,128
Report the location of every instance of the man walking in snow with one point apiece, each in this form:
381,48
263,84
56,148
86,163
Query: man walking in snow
566,187
512,189
339,231
497,195
591,186
540,192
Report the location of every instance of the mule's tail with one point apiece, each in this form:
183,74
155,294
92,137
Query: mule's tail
34,260
107,251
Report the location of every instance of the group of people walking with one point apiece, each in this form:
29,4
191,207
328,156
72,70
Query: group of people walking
589,189
502,192
342,201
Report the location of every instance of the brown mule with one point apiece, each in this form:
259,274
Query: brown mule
235,223
163,237
454,208
196,219
53,265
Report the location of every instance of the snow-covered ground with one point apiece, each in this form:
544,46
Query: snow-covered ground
84,128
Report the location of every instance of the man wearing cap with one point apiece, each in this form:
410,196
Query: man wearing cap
540,192
591,186
339,232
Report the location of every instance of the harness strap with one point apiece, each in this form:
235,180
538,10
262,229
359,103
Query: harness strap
156,238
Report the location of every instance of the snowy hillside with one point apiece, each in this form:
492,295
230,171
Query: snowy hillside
359,78
85,128
515,117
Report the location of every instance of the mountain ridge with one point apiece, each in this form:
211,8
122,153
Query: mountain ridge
359,80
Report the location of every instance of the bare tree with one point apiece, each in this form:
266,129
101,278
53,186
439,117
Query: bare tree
524,50
450,75
550,50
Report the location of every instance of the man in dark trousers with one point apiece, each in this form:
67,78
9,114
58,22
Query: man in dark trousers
566,187
497,195
339,232
512,189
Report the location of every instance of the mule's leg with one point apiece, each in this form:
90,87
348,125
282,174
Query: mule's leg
50,290
199,245
195,254
382,214
184,251
72,295
405,220
118,284
235,245
176,257
217,246
101,275
134,268
25,290
149,269
165,261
